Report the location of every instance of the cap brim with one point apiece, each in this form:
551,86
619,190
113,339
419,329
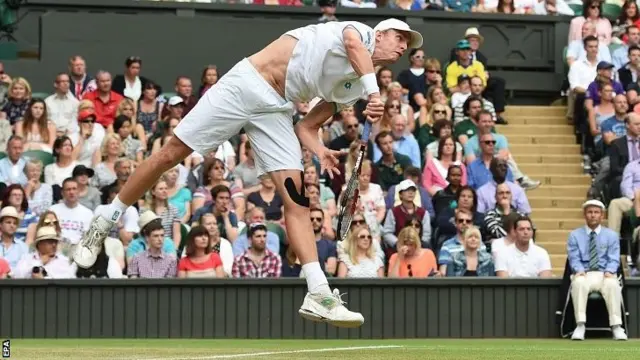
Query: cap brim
416,40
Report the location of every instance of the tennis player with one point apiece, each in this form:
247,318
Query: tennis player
333,61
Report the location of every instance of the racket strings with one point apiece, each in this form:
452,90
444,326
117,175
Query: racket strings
349,204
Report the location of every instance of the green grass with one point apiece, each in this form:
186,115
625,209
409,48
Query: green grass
436,349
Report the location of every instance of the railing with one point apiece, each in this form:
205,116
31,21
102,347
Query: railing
267,308
182,38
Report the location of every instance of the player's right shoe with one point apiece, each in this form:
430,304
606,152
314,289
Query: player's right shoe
90,245
329,308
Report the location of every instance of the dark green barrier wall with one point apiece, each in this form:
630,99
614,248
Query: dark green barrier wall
445,308
175,38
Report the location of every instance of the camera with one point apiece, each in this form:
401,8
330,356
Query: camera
38,270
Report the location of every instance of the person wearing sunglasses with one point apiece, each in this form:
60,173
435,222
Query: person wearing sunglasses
413,78
88,140
358,221
478,169
361,260
464,219
592,11
412,259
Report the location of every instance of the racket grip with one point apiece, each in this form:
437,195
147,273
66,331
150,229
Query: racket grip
366,131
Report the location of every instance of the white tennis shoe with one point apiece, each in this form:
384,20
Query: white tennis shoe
90,245
329,308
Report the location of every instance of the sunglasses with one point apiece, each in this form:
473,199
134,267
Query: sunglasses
318,219
409,270
352,126
394,107
464,221
594,7
433,71
443,112
87,121
218,168
504,192
50,222
133,58
368,237
357,222
489,142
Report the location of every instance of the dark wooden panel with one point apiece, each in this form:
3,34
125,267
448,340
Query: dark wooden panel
456,308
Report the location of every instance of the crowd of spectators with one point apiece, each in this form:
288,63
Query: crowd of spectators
440,192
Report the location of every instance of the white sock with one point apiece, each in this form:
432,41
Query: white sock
114,210
316,281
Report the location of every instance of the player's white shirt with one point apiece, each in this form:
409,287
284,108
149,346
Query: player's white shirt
319,66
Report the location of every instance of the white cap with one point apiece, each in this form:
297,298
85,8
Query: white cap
406,185
175,100
395,24
593,202
9,211
146,217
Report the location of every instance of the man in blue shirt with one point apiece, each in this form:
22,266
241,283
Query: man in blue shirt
327,252
478,171
403,143
594,258
220,207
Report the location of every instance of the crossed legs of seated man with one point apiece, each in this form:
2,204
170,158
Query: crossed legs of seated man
608,286
618,207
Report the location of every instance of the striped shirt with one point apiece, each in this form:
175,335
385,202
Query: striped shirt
458,111
155,266
169,216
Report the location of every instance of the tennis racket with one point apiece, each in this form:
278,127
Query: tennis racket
349,201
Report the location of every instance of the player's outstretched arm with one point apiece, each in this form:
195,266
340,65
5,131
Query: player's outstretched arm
307,128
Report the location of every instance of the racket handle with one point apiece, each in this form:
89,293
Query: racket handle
366,132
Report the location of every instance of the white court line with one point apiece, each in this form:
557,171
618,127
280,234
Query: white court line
269,353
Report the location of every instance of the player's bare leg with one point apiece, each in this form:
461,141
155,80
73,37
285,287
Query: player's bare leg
320,304
147,173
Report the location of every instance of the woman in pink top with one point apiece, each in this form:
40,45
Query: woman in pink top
200,260
435,171
592,10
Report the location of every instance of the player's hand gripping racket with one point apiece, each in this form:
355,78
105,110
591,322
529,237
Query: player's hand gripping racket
349,201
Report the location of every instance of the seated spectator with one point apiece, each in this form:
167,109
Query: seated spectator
399,216
149,109
436,169
254,216
208,79
422,199
477,88
592,11
257,261
35,127
342,246
391,164
467,128
628,16
493,219
470,261
509,238
361,260
313,193
153,262
576,51
622,55
123,168
39,195
184,89
446,198
131,84
413,79
88,140
88,196
384,75
327,254
12,248
371,201
46,262
201,261
436,95
18,100
291,266
246,174
458,98
486,193
12,166
150,225
134,149
15,197
410,259
6,131
213,175
62,106
179,196
327,197
394,91
157,200
104,267
479,172
62,168
463,220
465,199
81,82
581,74
268,199
594,96
49,218
509,259
403,142
463,64
220,207
621,152
594,258
345,168
219,245
423,132
127,226
552,7
104,160
74,217
164,134
104,99
441,129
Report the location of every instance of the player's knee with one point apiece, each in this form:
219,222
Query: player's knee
172,153
296,190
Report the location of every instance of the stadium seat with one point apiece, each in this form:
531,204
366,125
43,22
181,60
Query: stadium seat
611,11
184,231
577,9
39,95
45,157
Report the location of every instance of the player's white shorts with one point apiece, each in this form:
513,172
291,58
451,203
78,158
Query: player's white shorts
243,98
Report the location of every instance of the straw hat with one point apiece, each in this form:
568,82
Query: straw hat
9,211
47,233
146,218
473,32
